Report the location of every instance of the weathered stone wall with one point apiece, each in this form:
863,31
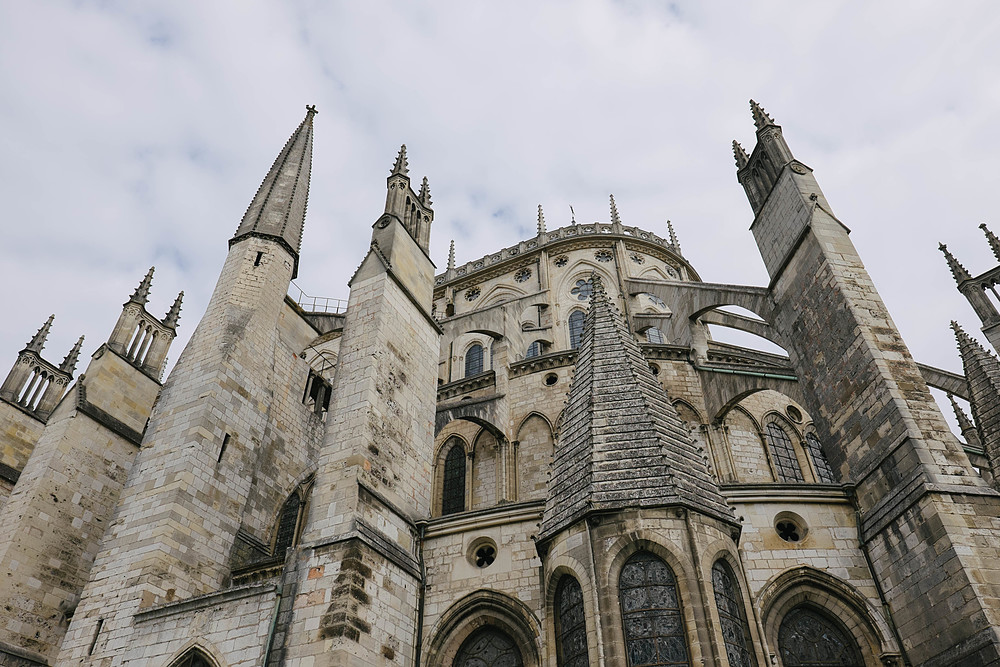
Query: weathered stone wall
19,432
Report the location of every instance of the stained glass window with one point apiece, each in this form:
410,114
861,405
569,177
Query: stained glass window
571,626
654,335
783,454
453,489
809,638
488,647
732,616
193,658
651,612
474,360
824,473
583,289
286,525
575,328
534,350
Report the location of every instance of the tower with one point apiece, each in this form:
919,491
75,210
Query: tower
52,524
207,481
885,433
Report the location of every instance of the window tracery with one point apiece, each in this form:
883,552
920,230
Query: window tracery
824,473
287,524
808,638
785,462
571,625
453,484
474,360
732,617
651,613
193,658
575,328
488,647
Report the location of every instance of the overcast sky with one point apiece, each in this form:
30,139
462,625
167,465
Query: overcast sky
134,134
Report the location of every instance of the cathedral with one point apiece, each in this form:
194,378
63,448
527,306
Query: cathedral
536,457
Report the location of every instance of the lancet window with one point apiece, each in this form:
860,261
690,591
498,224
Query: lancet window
809,638
571,625
575,328
783,454
453,482
824,473
488,647
651,612
474,360
732,616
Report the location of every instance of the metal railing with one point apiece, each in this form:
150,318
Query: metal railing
316,304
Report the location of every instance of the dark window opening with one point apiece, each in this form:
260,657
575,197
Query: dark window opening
824,473
488,647
453,488
474,360
222,449
651,612
193,658
97,633
317,392
571,625
287,525
260,256
575,328
732,616
808,638
785,462
534,350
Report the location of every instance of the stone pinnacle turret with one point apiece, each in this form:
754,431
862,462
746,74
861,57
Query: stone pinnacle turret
141,293
37,341
451,255
741,155
174,314
400,167
982,372
69,363
761,118
278,210
615,218
425,193
965,424
959,272
992,239
541,220
673,238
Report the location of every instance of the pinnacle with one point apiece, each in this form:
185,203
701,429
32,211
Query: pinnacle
141,293
963,420
400,167
761,118
37,341
451,255
959,272
425,193
615,218
541,220
741,155
673,238
69,363
992,239
174,314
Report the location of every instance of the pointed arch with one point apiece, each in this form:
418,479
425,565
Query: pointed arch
484,609
197,655
534,449
291,517
575,327
652,615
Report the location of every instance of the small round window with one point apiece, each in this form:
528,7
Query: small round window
551,379
482,552
790,527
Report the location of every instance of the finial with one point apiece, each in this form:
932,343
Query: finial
761,119
959,272
311,110
425,193
174,314
993,240
451,256
401,167
541,220
673,238
741,155
597,285
141,293
69,363
37,341
615,219
964,423
572,215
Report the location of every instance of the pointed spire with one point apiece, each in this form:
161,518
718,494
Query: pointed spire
451,256
621,442
741,155
69,363
400,167
141,293
761,119
425,193
615,219
541,220
37,341
673,238
278,210
957,270
965,424
982,373
993,240
174,314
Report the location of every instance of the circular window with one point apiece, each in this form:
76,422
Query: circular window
551,379
654,369
637,258
522,275
472,294
672,272
790,527
603,256
794,414
582,290
561,260
482,552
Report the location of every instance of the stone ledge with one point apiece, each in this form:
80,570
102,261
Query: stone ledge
22,657
781,492
485,518
543,362
466,385
202,601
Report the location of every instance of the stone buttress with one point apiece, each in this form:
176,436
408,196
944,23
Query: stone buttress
359,573
51,527
940,574
221,420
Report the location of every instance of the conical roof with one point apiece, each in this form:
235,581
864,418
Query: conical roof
982,372
278,209
621,443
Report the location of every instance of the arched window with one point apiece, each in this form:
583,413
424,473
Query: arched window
654,335
824,473
534,349
651,612
575,328
193,658
732,616
809,638
783,454
287,524
571,625
453,485
474,360
488,647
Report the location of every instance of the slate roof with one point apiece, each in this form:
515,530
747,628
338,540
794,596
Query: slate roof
621,443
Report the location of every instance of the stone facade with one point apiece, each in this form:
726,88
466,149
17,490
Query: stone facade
537,457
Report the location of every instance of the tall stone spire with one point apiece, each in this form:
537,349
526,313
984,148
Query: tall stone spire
69,363
673,238
451,255
957,270
992,239
982,372
174,314
541,220
621,443
761,118
141,293
400,167
965,424
741,155
615,218
425,193
37,341
278,210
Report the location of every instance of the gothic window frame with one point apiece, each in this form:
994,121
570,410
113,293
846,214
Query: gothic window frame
190,655
655,336
833,622
651,556
471,356
478,635
574,327
781,451
460,452
301,495
535,349
823,471
561,634
737,603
